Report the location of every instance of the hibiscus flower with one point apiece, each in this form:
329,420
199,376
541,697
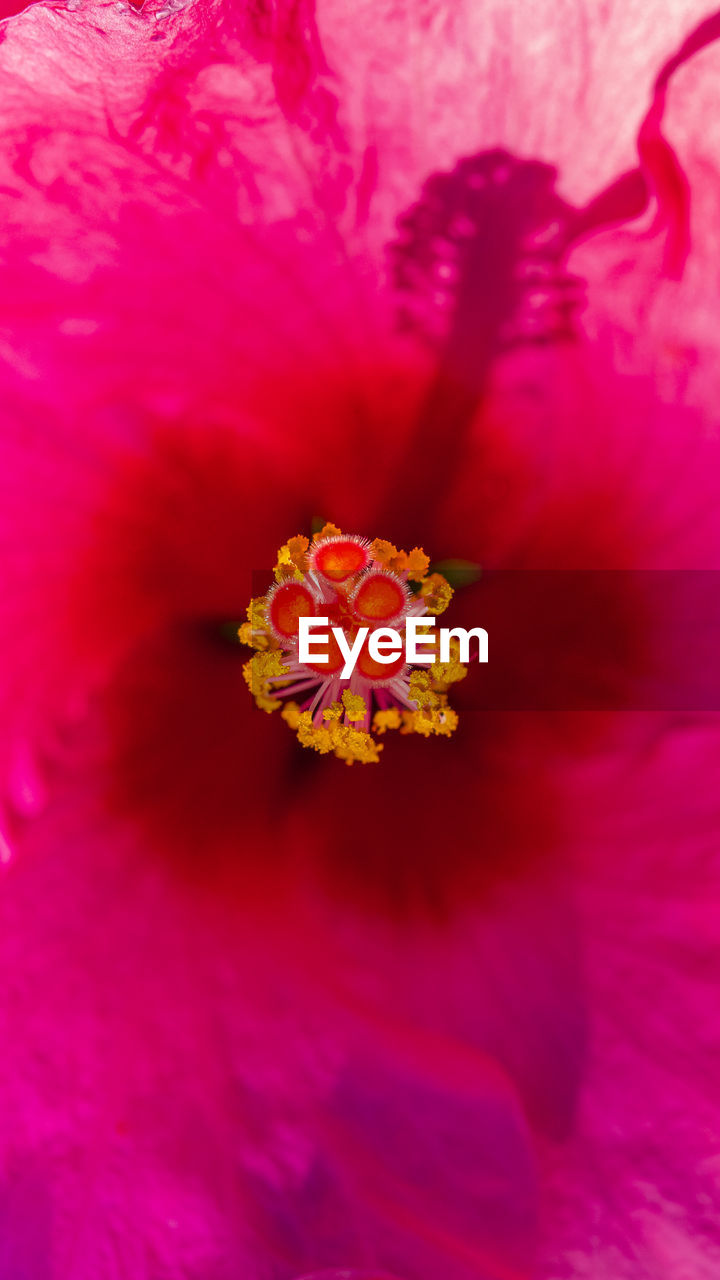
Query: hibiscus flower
433,278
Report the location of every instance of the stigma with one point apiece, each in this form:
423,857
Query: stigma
361,588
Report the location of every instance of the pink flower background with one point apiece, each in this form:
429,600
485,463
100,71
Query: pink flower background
265,1017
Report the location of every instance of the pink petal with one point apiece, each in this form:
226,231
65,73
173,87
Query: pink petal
220,1061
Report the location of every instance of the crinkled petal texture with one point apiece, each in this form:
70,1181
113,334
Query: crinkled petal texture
265,1015
633,1193
203,1109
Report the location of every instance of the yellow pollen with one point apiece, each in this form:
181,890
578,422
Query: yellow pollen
355,706
257,673
292,559
410,702
356,745
437,593
447,673
333,712
422,690
352,705
387,555
255,631
291,714
328,531
417,564
346,743
384,720
441,721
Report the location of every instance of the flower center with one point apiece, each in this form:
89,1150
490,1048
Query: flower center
367,591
